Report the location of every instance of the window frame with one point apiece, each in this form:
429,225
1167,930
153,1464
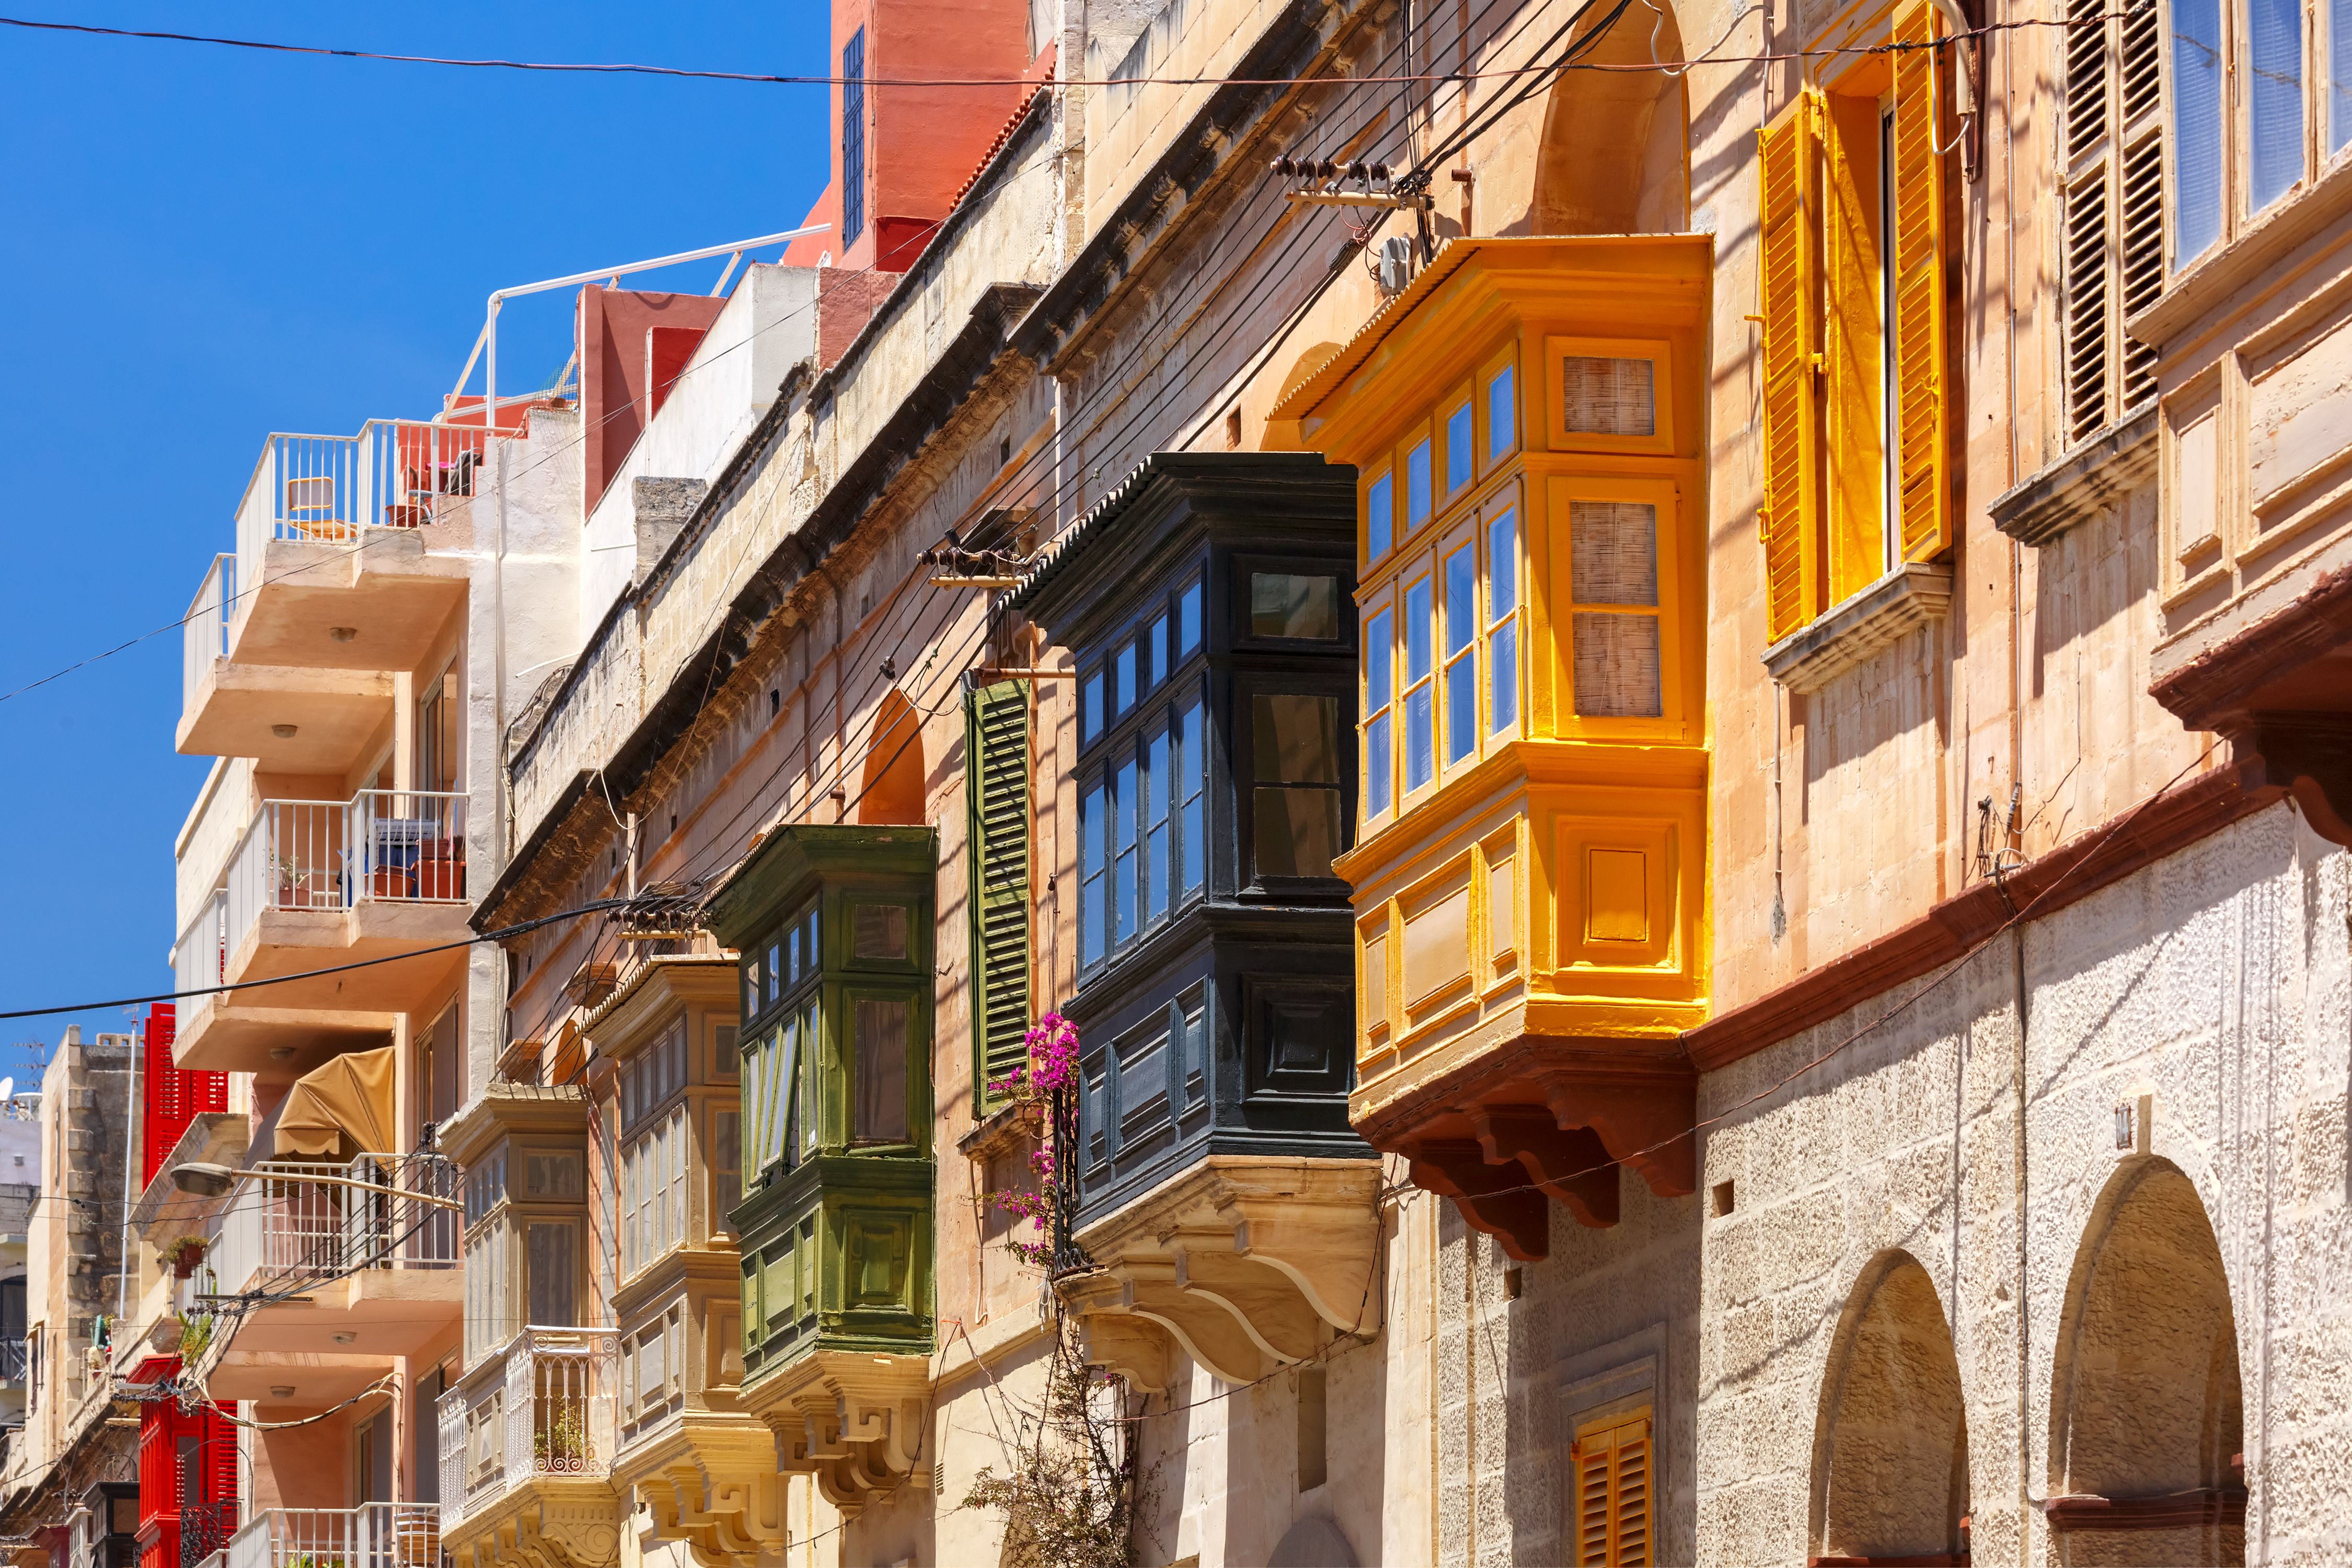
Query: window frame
1664,495
1384,602
1560,348
1247,687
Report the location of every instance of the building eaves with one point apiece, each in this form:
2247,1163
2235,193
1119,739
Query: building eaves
962,367
1299,44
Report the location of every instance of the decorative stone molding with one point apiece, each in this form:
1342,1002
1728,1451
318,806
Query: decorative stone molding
855,1422
2088,480
711,1481
1900,602
551,1523
1247,1264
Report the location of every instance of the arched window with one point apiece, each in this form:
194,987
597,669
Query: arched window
892,790
1616,143
1891,1443
2146,1443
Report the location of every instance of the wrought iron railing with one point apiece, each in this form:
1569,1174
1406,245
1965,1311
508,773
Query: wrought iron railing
1062,1110
204,1528
541,1405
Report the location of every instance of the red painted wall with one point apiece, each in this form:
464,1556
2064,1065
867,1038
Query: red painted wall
630,345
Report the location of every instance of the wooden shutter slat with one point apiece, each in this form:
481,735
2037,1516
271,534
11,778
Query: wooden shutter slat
2087,328
2142,276
996,721
1922,369
1852,377
1613,1520
1790,289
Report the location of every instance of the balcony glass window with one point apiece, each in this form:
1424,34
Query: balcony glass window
2338,100
1417,496
1295,797
1294,605
726,1167
1461,653
2197,129
652,1191
1502,623
881,1070
1142,847
1191,764
1460,446
1420,703
1091,707
1614,579
650,1077
1380,760
776,1131
1188,621
1502,414
1379,517
552,1260
2275,97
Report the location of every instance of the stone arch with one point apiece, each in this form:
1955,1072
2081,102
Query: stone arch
1615,155
1891,1440
2147,1414
892,790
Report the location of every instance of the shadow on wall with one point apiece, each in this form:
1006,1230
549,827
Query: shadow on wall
2146,1419
891,790
1891,1442
1615,157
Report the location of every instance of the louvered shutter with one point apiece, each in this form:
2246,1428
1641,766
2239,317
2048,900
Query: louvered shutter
1922,370
996,793
1613,1484
1790,288
1852,378
2143,194
2112,260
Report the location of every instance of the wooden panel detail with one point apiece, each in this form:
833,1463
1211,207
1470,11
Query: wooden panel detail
1616,898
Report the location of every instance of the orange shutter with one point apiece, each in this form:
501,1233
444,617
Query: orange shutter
1790,286
1922,370
1613,1494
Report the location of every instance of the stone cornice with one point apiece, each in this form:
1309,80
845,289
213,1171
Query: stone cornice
1906,599
2088,480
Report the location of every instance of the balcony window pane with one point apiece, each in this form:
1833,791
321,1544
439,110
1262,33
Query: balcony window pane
1601,397
1416,487
1158,872
2196,135
881,1071
1613,551
1502,623
1122,853
1091,904
1501,414
1616,666
1295,755
1379,671
1090,706
1194,767
1123,680
1188,619
1159,651
552,1261
1460,650
1286,606
1458,445
880,931
1420,755
1380,518
2339,74
726,1168
2275,97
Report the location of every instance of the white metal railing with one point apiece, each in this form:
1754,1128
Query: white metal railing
383,845
326,490
204,635
300,1222
199,958
374,1535
541,1405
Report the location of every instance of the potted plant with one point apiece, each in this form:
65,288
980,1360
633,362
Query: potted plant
562,1447
182,1256
293,884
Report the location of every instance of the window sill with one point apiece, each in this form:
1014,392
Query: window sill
2087,481
1899,602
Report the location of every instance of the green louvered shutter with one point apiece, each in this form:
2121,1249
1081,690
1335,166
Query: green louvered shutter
996,793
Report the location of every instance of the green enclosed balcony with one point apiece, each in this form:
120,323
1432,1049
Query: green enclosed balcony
834,924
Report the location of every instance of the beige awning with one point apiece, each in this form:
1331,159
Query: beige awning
340,1110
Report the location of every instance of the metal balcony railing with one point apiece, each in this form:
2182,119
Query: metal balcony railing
541,1405
381,845
204,635
298,1223
12,1360
374,1535
199,958
395,473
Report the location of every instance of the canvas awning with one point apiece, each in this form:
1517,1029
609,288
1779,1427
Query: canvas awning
342,1108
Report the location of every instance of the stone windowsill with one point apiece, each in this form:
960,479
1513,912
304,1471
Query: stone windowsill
1908,598
2087,481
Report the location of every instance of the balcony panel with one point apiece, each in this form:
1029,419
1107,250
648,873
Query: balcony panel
374,1535
236,710
392,596
527,1453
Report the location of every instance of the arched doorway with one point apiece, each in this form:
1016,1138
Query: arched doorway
1891,1441
2147,1433
892,790
1615,157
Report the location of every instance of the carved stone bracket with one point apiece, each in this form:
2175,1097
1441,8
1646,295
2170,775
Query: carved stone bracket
854,1422
1246,1264
549,1524
2308,755
713,1483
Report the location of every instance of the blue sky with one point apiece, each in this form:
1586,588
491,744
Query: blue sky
205,245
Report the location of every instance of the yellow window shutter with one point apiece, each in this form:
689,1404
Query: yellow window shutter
1852,379
1790,286
1922,368
1612,1480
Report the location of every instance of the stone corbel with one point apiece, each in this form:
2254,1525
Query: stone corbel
2308,755
856,1425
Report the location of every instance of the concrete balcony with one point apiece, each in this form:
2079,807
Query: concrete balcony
310,885
527,1441
350,1277
374,1535
296,717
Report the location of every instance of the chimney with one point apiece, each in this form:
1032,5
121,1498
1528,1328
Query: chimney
662,508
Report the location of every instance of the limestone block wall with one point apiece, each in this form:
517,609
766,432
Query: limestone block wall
2213,988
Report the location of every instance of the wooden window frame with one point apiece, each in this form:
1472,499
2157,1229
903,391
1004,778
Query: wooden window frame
1505,501
1657,351
1603,1445
1462,400
1384,602
1491,454
1665,496
1461,537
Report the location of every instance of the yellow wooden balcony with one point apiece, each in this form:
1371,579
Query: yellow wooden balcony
1527,423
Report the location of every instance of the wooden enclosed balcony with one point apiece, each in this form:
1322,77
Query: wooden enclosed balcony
835,924
1530,872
